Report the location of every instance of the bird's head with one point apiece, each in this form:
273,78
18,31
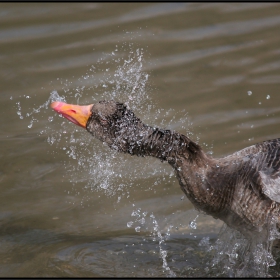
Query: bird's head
104,119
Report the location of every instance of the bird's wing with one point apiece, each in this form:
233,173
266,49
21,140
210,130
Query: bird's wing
270,172
262,163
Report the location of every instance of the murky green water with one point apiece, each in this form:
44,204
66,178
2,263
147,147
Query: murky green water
71,207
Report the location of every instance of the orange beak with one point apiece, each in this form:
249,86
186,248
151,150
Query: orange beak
77,114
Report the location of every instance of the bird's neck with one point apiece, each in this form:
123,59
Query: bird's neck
143,140
187,158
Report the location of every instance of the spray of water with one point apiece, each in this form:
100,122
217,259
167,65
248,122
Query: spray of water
236,256
121,77
140,221
161,239
101,169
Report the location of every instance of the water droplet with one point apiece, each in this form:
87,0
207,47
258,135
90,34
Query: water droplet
129,224
138,251
137,229
192,224
134,213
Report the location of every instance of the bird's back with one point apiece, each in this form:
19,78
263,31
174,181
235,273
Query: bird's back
252,177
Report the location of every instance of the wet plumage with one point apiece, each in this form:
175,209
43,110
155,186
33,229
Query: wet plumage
241,189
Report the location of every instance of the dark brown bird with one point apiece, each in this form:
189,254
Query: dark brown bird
241,189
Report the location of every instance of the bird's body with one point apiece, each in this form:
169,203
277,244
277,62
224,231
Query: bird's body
233,188
241,189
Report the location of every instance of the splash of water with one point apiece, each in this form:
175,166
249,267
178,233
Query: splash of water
54,96
118,76
237,256
192,223
139,218
140,221
122,78
161,239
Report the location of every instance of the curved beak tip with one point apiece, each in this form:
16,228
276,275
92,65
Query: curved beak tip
55,105
74,113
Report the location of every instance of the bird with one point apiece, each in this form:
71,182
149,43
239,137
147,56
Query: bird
241,189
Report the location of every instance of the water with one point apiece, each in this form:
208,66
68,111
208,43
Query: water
72,207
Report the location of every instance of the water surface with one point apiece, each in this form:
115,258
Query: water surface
71,207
